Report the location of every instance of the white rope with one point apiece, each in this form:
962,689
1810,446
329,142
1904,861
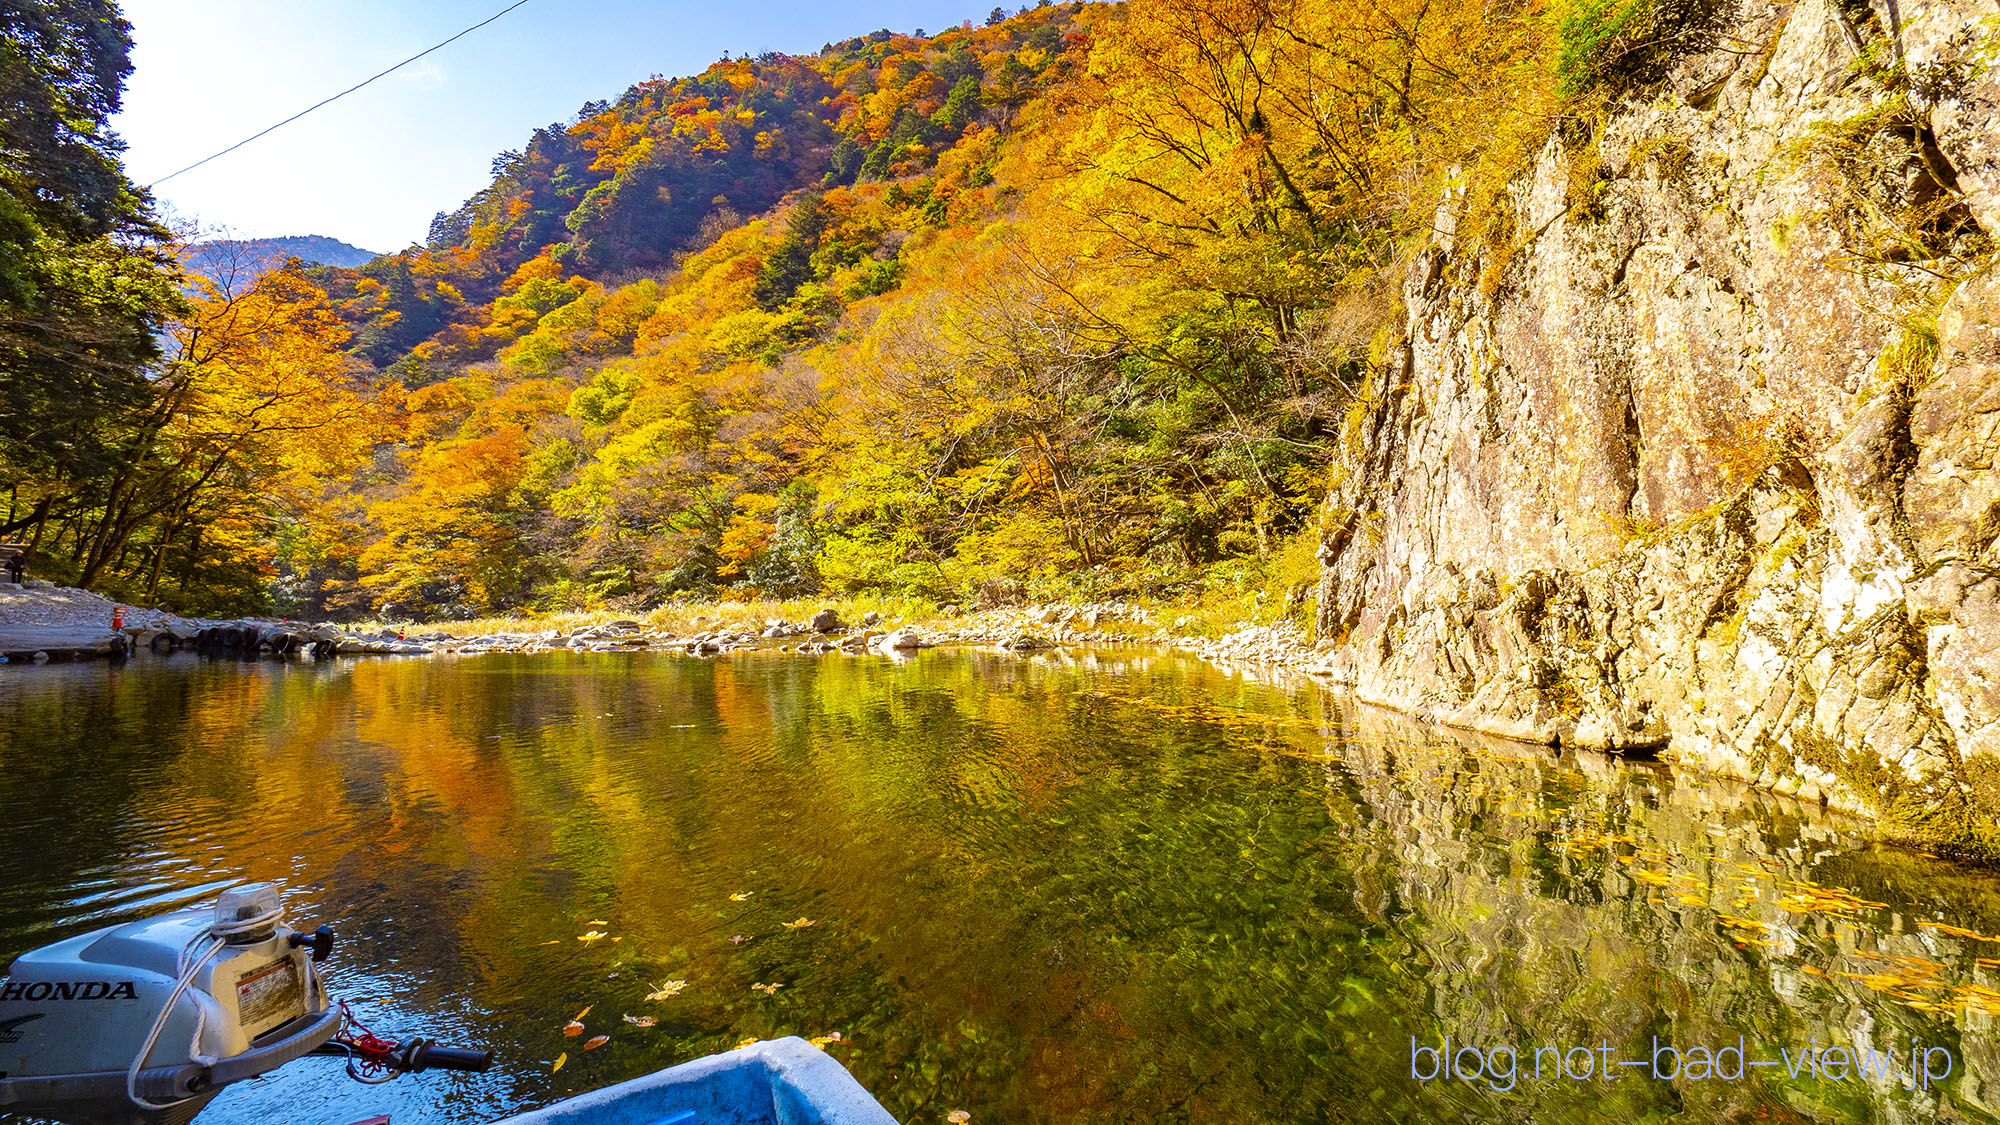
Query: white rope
185,972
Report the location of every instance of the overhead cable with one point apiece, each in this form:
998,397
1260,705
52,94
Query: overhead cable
342,94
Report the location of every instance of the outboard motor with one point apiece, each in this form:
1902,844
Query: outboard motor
144,1023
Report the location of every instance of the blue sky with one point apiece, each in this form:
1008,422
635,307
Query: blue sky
373,168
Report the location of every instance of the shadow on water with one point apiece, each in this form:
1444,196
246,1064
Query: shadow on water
1118,887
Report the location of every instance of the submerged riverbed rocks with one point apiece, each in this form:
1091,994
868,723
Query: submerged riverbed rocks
1687,468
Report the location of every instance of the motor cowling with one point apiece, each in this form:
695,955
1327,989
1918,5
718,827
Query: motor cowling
209,997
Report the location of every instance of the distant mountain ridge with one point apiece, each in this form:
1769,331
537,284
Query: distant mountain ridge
221,258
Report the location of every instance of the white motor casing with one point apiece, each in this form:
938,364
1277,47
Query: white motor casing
74,1014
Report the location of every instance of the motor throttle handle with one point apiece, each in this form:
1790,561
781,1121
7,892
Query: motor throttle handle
321,942
421,1054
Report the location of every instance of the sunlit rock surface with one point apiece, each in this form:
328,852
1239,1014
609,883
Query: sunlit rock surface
1685,463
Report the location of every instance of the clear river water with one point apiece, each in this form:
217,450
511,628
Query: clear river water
1113,887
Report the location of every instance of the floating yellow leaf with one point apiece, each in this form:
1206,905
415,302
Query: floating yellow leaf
585,1012
747,1042
823,1040
594,935
560,1059
597,922
801,924
553,941
640,1021
1811,898
666,991
573,1027
595,1041
741,895
768,989
958,1117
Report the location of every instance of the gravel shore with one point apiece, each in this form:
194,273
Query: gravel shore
1016,628
67,606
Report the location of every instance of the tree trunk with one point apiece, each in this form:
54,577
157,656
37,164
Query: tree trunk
159,558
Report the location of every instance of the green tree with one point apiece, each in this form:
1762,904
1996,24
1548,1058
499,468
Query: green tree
959,108
790,265
85,284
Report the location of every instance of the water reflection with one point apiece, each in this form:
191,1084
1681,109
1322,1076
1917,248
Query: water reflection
1112,887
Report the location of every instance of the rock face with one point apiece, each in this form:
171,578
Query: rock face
1684,464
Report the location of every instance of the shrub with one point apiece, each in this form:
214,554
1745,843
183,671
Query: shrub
1596,37
1615,43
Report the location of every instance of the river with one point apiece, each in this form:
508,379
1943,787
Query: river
1121,886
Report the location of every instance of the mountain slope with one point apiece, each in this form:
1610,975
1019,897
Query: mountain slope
1069,299
220,258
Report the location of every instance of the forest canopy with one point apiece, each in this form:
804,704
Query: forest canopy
1080,296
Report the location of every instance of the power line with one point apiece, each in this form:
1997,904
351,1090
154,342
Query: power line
342,94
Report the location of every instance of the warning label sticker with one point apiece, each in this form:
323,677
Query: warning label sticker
267,997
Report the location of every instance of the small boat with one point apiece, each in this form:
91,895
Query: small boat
775,1082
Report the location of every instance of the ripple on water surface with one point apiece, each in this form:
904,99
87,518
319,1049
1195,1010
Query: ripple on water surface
1116,887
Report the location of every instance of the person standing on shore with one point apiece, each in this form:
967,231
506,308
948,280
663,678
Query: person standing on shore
17,565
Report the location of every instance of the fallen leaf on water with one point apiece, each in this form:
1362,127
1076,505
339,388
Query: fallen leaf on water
594,935
747,1042
768,989
573,1027
958,1117
801,924
666,991
823,1040
560,1059
641,1021
741,895
1955,931
585,1012
738,939
597,922
595,1041
553,941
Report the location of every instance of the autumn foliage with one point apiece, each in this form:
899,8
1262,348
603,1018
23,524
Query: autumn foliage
1078,297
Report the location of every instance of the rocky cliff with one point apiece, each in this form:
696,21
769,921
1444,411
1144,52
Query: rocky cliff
1700,454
